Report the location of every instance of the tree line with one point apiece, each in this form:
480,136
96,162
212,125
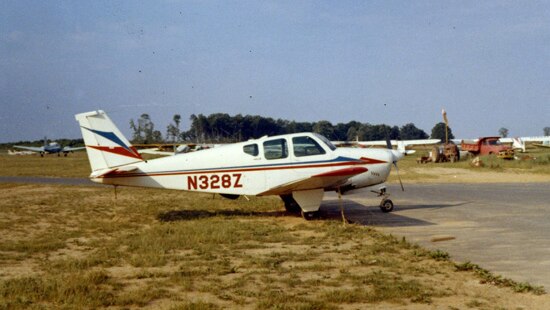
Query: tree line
223,128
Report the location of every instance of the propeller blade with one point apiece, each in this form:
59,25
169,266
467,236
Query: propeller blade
398,176
388,144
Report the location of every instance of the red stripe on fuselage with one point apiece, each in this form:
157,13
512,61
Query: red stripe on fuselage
370,161
343,172
325,165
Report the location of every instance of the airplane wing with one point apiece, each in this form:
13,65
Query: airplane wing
72,149
155,151
397,142
323,180
30,148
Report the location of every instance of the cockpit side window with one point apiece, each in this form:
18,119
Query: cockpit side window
326,141
306,146
275,149
251,149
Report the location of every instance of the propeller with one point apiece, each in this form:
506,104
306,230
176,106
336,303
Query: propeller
398,176
396,156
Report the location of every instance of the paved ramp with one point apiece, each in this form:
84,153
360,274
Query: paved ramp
504,228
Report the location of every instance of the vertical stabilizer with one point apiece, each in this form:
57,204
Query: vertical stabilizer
105,144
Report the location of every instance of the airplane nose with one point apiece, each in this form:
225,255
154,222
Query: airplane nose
397,155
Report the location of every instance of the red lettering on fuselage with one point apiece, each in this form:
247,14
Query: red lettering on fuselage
214,181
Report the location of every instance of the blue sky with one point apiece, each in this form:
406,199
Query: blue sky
394,62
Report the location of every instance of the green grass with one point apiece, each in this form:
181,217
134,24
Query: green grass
488,277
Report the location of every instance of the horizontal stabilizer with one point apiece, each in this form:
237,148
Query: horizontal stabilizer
111,171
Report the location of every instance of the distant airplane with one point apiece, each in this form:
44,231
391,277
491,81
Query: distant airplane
178,149
400,144
544,143
51,148
297,167
11,152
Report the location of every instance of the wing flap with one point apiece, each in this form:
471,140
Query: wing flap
323,180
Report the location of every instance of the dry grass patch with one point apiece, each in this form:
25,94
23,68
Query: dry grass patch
74,247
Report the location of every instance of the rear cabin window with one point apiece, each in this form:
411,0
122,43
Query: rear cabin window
275,149
306,146
251,149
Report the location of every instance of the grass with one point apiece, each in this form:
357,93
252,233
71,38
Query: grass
488,277
76,247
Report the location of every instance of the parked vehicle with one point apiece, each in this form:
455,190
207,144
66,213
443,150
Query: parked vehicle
487,146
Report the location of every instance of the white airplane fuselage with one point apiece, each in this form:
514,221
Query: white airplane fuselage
229,170
297,167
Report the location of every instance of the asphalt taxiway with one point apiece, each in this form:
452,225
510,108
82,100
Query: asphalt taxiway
504,228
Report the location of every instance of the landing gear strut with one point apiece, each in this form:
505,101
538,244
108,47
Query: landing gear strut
386,205
291,205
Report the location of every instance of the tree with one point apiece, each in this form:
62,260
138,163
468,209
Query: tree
546,131
324,128
410,132
438,132
503,132
144,130
173,130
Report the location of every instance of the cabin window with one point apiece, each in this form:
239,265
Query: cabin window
275,149
326,141
251,149
306,146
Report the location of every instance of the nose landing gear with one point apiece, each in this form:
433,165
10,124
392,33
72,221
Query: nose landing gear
386,205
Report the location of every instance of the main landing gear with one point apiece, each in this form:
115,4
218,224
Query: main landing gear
293,207
386,205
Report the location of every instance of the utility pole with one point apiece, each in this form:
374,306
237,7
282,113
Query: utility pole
446,125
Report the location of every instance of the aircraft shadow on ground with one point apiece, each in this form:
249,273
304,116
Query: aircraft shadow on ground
330,210
187,215
373,216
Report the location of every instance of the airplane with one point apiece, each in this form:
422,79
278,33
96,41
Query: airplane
182,148
401,144
297,167
51,148
544,143
13,153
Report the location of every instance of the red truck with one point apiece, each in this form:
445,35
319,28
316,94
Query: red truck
488,146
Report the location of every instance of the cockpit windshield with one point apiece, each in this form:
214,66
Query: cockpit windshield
325,141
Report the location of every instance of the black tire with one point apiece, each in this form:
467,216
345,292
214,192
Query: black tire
230,196
308,216
291,205
386,205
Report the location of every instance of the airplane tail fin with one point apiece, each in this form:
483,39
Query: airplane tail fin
401,147
517,143
107,148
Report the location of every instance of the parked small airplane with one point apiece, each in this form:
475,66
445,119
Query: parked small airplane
13,153
544,143
182,148
51,148
297,167
401,145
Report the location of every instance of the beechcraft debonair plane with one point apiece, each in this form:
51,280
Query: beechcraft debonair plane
297,167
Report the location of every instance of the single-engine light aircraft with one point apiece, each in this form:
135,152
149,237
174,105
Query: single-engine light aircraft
297,167
50,148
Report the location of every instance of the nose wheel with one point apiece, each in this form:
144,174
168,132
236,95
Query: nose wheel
386,205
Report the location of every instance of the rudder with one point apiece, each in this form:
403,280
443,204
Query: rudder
106,146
